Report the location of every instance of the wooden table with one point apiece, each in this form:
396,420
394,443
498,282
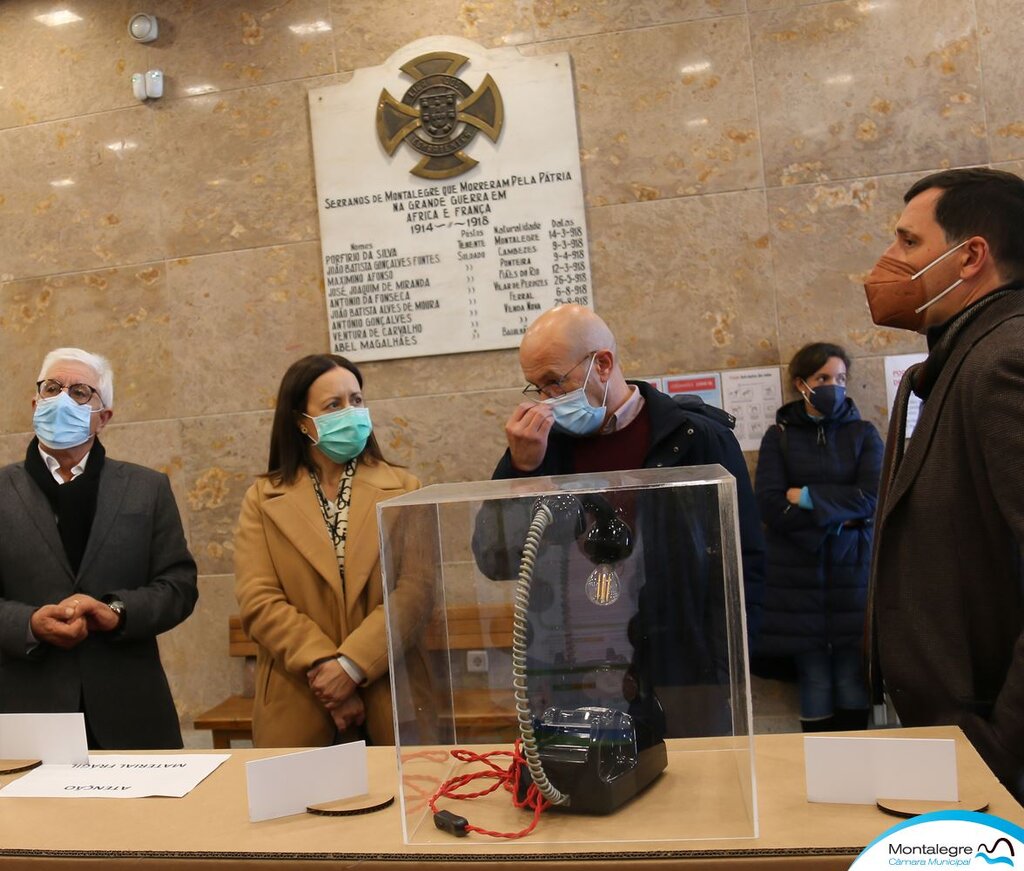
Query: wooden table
210,829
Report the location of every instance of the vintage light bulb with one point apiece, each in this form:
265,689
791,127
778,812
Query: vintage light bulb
603,585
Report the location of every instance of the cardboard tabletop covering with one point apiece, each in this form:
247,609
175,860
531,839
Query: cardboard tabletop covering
210,827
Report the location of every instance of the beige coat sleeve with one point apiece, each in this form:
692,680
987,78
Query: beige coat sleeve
291,637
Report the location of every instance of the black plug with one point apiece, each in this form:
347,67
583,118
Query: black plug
451,823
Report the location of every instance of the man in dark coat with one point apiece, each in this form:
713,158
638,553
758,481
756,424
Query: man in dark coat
947,592
93,566
604,424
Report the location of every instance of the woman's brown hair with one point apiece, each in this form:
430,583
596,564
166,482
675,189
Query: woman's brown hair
289,448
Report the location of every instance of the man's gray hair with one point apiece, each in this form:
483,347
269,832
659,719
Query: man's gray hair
100,365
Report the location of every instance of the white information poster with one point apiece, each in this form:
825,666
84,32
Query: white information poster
450,199
895,366
752,396
706,385
137,775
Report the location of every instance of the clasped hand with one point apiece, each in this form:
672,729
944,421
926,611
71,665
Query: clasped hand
350,712
69,623
336,691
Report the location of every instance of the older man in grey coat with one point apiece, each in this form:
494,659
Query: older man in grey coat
93,566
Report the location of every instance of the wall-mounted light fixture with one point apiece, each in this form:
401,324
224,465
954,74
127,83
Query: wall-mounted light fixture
143,27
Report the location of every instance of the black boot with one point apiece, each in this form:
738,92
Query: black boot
851,719
826,725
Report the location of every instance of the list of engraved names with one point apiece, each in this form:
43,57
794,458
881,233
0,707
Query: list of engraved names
454,266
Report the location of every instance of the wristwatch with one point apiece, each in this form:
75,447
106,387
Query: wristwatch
118,607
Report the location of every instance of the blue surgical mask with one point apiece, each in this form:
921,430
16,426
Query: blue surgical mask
342,434
573,412
828,398
61,423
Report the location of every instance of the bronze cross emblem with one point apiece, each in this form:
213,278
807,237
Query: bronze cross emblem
439,115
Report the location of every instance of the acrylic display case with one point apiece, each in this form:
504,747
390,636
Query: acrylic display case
600,617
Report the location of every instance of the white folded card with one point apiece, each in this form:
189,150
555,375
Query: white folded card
57,739
862,770
284,785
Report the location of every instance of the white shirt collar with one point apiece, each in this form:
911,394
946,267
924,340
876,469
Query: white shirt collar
54,466
626,413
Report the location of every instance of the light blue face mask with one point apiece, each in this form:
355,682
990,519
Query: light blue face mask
342,434
61,423
573,412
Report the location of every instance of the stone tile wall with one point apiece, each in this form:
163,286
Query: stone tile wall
743,160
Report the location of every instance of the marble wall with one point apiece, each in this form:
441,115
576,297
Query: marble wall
743,164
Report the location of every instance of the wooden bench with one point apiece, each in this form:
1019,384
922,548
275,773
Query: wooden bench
479,714
472,627
232,718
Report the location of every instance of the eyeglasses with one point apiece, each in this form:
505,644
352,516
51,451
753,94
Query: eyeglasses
81,393
556,387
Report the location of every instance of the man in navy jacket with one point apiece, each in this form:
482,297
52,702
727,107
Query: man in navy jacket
587,418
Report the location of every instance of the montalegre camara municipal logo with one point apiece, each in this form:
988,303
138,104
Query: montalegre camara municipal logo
946,839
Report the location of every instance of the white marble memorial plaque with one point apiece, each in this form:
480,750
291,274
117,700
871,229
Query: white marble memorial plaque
464,255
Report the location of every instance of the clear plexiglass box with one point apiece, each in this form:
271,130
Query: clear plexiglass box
598,620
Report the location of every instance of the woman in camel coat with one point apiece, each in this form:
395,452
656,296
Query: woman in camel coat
307,569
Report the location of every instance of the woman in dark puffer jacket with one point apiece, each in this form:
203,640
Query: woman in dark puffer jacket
816,486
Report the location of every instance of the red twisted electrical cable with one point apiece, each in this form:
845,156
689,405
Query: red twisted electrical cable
508,778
